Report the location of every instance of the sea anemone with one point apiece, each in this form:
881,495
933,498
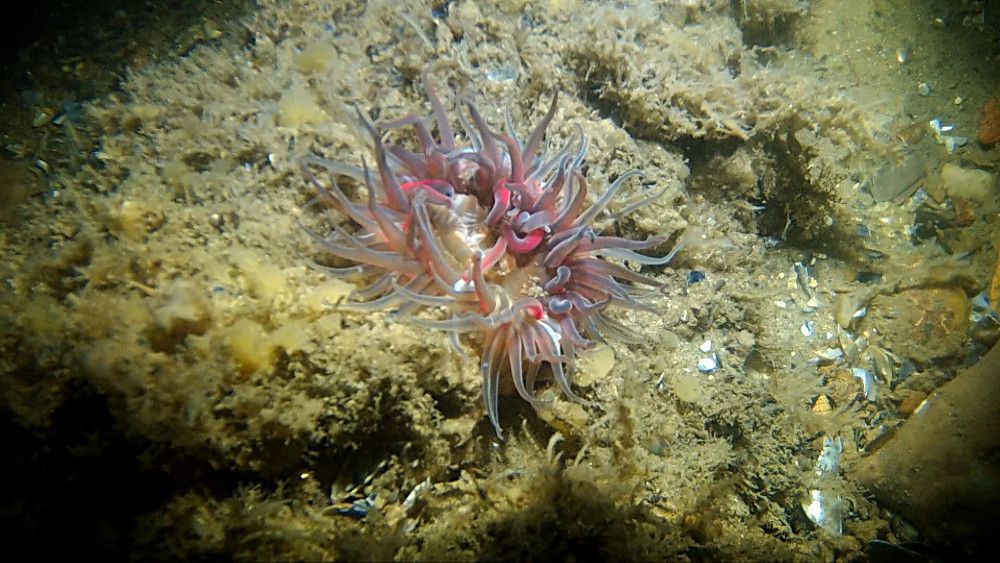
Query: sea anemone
495,235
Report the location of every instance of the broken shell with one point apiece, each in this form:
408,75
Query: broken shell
708,364
829,356
804,278
903,53
867,381
43,117
953,143
413,503
358,508
883,360
826,510
828,462
847,344
808,328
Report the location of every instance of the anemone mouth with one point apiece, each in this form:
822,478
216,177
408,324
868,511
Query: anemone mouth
495,235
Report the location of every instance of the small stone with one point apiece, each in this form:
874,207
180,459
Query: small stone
909,400
965,213
923,89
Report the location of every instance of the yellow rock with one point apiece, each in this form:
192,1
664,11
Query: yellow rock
298,106
968,183
249,345
315,58
687,387
594,364
263,279
327,294
291,337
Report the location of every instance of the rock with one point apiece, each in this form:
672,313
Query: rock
940,471
921,324
989,127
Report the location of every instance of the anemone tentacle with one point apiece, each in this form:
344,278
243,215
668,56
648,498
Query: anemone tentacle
495,234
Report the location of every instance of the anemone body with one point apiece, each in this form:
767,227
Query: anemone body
491,232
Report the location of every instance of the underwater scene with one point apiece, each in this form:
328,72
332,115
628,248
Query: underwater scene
456,280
